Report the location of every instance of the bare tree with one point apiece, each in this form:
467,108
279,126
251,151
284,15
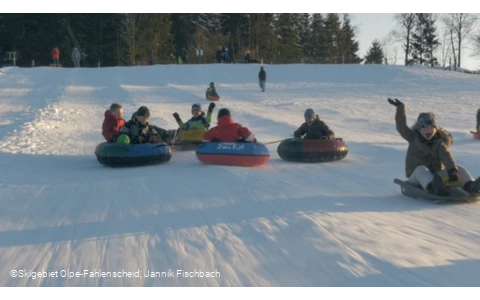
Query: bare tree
445,48
460,26
394,55
403,34
476,44
453,50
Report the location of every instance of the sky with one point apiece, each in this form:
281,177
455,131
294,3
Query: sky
378,25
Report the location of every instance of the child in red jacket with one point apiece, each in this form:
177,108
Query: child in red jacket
113,122
228,131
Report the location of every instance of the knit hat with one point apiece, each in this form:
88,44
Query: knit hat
426,119
223,112
309,114
196,106
212,84
143,112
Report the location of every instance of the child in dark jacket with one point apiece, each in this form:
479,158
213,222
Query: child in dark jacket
139,131
113,122
211,91
478,120
198,121
262,78
313,128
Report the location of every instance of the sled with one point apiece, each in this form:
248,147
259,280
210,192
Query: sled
456,194
476,135
213,98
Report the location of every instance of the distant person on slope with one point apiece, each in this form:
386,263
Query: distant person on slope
139,131
428,158
113,122
211,91
478,120
56,56
76,57
262,78
227,131
313,128
198,121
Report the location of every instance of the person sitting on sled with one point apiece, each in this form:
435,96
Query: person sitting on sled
199,121
313,128
227,131
428,158
113,122
211,91
139,131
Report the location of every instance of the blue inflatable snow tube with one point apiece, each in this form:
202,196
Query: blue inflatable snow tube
233,154
118,155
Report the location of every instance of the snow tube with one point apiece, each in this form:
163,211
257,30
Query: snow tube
117,155
476,135
188,140
298,150
213,98
242,154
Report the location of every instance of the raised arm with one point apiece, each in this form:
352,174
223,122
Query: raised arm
401,120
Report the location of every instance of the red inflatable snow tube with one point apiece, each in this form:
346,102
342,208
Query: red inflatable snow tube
240,154
298,150
213,98
476,135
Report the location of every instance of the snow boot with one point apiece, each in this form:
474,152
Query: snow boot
436,187
473,187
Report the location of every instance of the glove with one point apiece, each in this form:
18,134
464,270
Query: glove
395,102
453,175
211,107
176,116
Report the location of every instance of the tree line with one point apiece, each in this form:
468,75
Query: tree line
134,39
130,39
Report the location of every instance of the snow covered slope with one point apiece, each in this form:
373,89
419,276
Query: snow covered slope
283,224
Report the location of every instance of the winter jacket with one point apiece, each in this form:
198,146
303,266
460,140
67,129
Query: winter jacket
143,134
228,131
56,53
433,154
196,123
111,126
211,92
317,130
262,75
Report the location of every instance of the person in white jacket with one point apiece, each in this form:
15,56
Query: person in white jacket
76,57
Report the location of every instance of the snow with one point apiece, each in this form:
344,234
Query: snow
283,224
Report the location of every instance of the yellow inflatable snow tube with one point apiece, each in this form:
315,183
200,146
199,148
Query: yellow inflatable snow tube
191,135
188,140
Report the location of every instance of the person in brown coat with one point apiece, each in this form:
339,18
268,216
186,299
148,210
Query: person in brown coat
428,158
313,128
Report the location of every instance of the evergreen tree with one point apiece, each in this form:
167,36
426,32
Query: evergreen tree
304,32
347,46
375,53
288,37
333,34
318,41
424,40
